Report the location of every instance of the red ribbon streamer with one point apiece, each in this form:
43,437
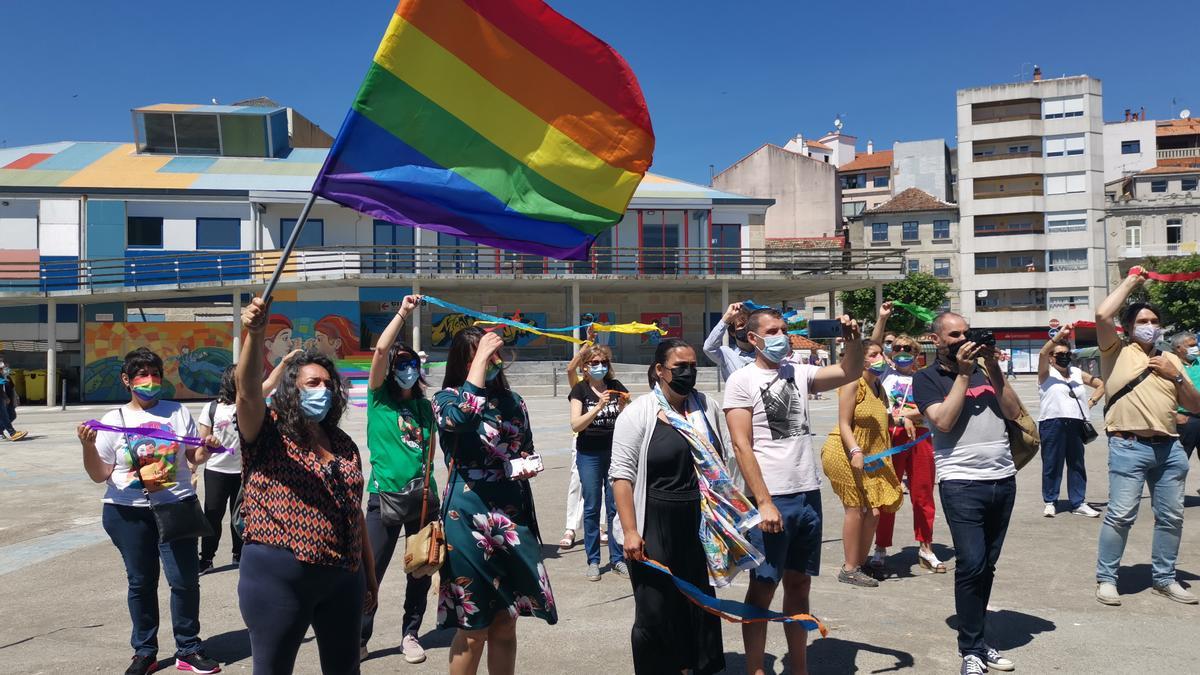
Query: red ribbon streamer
1159,276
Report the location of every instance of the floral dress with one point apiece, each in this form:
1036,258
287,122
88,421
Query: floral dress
494,559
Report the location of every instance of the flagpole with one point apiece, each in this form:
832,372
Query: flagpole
287,248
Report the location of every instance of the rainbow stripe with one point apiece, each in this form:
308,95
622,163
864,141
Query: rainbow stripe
498,121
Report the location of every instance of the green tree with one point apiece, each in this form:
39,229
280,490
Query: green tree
918,288
1180,300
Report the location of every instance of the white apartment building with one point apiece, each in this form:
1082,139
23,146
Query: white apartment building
1031,204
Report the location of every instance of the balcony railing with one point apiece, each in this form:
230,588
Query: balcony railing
1157,250
1008,155
1007,117
985,230
247,268
1029,192
1178,153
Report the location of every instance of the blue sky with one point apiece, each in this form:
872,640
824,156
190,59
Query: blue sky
720,78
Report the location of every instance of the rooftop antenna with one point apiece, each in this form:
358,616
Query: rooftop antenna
1020,76
837,123
1185,113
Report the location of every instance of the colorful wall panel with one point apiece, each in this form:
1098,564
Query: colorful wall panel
194,356
671,321
446,326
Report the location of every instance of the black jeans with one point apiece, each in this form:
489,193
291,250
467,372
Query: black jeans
280,597
383,545
977,512
220,491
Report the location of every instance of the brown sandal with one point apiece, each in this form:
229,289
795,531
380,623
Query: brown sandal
940,568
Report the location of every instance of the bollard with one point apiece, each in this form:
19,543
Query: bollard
554,379
63,393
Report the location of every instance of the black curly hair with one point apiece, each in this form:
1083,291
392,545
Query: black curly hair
227,393
400,351
142,359
458,362
286,400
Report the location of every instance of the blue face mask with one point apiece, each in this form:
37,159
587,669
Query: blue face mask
598,372
407,377
315,403
904,360
775,347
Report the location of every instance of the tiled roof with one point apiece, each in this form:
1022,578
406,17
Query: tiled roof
1184,127
912,199
801,342
817,144
877,160
1168,169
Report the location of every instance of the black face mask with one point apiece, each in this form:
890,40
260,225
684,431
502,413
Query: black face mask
683,380
952,349
1062,360
741,335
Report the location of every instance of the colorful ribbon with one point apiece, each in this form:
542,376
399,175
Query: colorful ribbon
1177,276
481,318
150,432
879,456
923,313
731,610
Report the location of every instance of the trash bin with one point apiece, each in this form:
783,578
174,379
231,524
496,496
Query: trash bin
35,385
18,379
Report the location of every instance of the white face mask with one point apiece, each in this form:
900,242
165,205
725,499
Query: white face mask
1147,333
1193,352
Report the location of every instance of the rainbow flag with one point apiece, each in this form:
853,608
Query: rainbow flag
498,121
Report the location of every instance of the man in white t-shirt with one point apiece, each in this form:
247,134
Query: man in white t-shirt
766,407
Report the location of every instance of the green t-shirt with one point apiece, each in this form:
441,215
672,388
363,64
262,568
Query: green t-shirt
399,433
1193,373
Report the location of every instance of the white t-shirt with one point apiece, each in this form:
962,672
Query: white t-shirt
124,485
899,390
1055,396
222,418
778,400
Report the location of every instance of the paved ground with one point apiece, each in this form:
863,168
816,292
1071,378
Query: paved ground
62,586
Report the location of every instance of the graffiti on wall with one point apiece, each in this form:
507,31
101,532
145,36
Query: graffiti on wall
446,326
672,322
602,338
194,357
322,325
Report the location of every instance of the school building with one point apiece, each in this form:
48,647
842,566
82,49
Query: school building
105,247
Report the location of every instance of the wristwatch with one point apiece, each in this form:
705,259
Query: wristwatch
1179,379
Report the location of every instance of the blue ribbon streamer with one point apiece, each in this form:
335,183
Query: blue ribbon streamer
495,319
878,457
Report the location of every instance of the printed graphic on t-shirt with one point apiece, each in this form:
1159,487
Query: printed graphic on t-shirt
607,417
146,451
784,408
901,395
411,433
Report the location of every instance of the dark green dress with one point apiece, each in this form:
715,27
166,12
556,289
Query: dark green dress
494,556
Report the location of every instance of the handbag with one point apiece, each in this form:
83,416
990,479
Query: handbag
1089,432
425,551
398,508
1024,441
180,519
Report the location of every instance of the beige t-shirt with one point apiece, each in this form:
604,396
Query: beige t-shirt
1150,406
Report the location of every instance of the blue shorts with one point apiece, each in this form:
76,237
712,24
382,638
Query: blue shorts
798,546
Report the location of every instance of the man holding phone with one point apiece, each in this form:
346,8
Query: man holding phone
966,408
766,408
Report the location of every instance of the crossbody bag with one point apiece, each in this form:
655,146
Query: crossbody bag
180,519
399,507
425,551
1089,432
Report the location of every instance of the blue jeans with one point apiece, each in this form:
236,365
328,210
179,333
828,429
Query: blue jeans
593,481
977,512
5,419
1062,440
134,532
1131,464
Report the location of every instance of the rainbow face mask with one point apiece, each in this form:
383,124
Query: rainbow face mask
903,360
148,388
878,366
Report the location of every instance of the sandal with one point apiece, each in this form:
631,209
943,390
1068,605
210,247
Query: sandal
567,541
931,563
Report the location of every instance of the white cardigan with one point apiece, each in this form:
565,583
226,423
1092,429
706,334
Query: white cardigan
631,443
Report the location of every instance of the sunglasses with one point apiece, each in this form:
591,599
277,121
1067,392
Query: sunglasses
904,348
415,363
597,363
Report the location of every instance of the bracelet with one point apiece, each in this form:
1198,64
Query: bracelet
855,451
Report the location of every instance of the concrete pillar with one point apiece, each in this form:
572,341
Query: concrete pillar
575,313
236,305
416,317
878,295
724,297
833,305
51,355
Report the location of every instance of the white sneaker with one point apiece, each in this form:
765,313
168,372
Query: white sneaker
1085,510
997,661
1049,511
413,651
972,665
1107,594
1177,593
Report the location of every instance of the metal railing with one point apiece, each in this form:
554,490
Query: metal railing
344,262
1178,153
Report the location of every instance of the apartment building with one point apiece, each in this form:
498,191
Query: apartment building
865,182
1031,205
1152,214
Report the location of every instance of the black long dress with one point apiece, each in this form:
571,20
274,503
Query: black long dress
670,633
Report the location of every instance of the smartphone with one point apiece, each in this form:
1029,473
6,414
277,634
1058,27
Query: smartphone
824,328
981,336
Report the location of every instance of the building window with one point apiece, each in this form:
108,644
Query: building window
1174,233
880,181
914,265
394,252
941,229
879,232
984,152
853,209
1131,147
1020,262
1188,184
910,231
854,181
1133,234
144,232
218,233
1017,149
1066,183
941,268
986,262
1158,185
1073,221
313,233
726,248
1061,146
1062,107
1069,300
1072,259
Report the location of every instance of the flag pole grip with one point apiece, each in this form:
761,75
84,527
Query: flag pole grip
287,248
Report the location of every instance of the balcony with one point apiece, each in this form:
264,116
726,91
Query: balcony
1009,224
1160,250
1027,185
1019,192
1006,111
1178,153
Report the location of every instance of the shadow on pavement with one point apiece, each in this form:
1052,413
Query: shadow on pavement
229,647
1137,578
434,639
1007,629
736,663
831,655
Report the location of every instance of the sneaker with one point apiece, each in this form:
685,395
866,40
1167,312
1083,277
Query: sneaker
972,665
997,661
142,664
362,653
856,578
1107,594
621,568
206,566
593,572
236,562
1177,593
197,663
18,435
1049,511
412,649
1085,510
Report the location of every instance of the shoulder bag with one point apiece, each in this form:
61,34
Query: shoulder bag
1023,438
180,519
400,507
1089,432
425,551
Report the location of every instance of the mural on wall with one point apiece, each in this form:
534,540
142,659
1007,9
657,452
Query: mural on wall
672,322
321,325
194,357
603,339
446,326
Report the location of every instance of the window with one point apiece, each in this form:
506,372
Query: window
1068,260
910,231
726,244
1062,107
218,233
941,268
394,252
1066,183
854,181
1131,147
1133,234
143,232
879,232
1158,185
313,233
1015,149
984,152
914,265
941,229
986,262
1067,221
1174,233
880,181
1073,299
1188,184
1020,262
853,209
1060,146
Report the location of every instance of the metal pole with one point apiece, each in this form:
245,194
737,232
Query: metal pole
51,355
416,318
63,394
575,312
287,249
554,379
237,325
